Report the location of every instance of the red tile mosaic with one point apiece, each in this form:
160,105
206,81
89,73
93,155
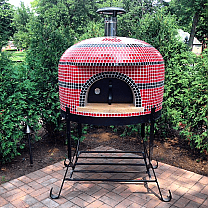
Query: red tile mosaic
132,61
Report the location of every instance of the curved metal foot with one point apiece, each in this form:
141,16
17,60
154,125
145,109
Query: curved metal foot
168,197
155,166
70,164
53,196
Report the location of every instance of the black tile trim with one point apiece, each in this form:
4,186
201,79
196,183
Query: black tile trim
112,45
102,75
112,64
150,85
70,85
139,85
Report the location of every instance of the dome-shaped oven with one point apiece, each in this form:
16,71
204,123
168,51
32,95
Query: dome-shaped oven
130,69
111,76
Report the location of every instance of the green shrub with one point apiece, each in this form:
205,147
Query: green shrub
194,121
49,39
18,108
186,80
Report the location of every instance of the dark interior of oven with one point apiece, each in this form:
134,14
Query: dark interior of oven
110,90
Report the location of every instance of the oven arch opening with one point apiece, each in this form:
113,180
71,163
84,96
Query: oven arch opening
110,92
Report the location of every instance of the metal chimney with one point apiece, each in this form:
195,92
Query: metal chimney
111,21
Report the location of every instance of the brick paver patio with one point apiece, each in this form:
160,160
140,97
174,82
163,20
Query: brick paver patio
188,190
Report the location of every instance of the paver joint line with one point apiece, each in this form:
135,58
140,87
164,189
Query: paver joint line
34,192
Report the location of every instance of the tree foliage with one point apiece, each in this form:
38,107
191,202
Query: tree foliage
22,17
192,16
186,80
6,23
18,107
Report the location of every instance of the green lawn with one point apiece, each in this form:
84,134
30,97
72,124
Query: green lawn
17,56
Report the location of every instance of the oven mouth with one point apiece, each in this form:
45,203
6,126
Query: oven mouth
110,96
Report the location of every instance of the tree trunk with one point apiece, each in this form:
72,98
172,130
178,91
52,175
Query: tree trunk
193,29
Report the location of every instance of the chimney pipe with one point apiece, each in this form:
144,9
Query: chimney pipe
111,21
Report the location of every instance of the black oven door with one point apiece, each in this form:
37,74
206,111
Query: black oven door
110,90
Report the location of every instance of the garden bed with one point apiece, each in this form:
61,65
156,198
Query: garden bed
47,151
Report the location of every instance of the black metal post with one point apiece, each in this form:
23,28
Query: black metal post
143,130
68,134
79,130
28,131
151,140
30,150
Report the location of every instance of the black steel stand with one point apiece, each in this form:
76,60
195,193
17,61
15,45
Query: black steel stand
145,155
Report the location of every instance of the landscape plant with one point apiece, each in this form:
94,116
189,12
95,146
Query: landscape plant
186,80
18,108
6,23
21,20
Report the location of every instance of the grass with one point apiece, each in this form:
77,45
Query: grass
17,56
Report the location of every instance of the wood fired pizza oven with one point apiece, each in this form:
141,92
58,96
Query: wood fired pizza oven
111,76
111,81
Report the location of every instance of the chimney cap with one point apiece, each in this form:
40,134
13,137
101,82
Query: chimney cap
111,11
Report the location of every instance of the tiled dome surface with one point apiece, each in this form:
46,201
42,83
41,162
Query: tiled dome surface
133,61
106,50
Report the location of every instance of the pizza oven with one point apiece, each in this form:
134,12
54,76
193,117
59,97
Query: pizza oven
111,76
111,81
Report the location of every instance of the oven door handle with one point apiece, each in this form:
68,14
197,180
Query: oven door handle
110,93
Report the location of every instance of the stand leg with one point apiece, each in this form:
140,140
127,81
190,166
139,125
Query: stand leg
79,130
145,149
68,134
143,130
151,140
76,153
57,196
169,197
151,144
